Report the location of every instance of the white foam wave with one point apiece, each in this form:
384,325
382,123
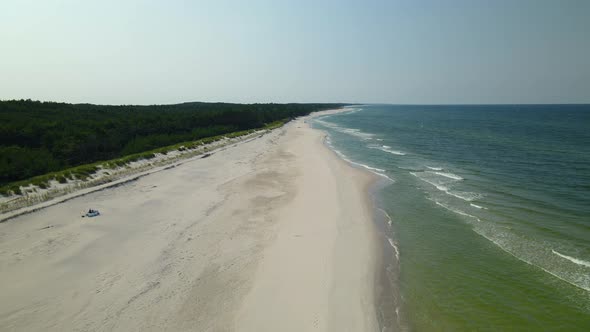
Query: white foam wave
387,148
395,248
350,131
477,206
530,252
374,170
356,132
464,195
572,259
449,175
434,168
437,185
457,211
352,111
371,168
442,185
389,221
326,123
582,282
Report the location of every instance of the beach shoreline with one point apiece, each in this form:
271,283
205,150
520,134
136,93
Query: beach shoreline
388,310
274,234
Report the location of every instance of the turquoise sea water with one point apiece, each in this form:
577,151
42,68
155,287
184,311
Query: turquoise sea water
489,210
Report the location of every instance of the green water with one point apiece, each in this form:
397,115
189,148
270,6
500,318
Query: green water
490,210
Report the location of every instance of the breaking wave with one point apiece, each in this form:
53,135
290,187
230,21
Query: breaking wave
574,260
386,148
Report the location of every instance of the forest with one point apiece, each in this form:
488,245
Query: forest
41,137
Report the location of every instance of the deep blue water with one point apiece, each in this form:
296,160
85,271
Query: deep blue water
489,209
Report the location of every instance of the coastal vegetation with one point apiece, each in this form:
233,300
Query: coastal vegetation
43,141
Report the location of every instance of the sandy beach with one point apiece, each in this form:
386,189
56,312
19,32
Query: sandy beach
273,234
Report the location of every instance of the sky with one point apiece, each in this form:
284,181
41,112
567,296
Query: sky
400,52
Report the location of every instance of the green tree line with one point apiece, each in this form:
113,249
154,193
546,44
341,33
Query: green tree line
41,137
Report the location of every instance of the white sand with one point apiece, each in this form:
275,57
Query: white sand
272,235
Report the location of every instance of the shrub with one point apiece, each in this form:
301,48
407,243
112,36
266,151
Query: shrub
41,184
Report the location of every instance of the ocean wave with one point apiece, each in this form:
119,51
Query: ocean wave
356,133
449,175
374,170
434,168
435,184
415,170
457,211
389,221
528,252
443,184
464,195
572,259
478,206
325,123
370,167
387,148
395,248
350,131
352,111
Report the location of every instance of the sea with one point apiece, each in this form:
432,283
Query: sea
483,210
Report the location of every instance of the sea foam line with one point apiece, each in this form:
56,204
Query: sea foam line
583,284
389,221
352,111
466,196
374,170
350,131
386,148
459,212
449,175
584,287
523,259
438,186
572,259
395,248
482,233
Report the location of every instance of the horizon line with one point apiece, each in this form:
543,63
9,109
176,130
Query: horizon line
301,103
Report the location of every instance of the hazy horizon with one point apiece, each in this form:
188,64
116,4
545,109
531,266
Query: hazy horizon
360,52
287,102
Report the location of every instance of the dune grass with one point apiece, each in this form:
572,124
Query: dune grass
84,172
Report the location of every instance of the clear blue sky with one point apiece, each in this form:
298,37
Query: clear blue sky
145,52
